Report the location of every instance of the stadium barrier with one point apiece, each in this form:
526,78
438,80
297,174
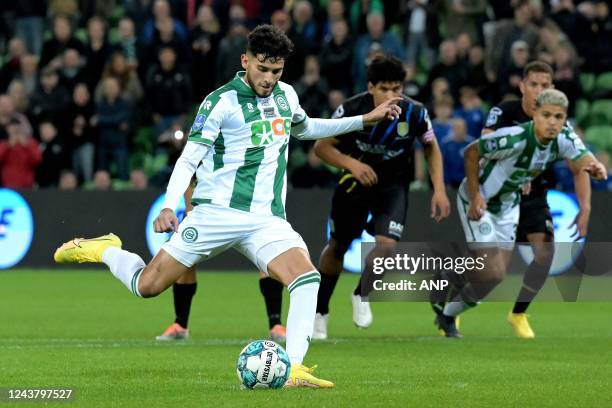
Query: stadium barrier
34,223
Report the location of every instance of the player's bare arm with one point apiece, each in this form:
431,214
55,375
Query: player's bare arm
327,151
477,202
440,205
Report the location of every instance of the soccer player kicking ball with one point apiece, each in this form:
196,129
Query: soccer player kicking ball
497,166
237,147
535,222
376,163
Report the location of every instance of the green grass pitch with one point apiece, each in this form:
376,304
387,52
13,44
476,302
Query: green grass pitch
84,330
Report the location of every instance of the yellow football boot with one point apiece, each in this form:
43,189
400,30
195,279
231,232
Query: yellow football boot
301,376
81,250
521,326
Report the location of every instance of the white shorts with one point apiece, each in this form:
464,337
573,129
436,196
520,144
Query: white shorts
492,230
210,229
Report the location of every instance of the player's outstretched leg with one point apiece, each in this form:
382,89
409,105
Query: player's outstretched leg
183,291
272,292
330,266
141,279
294,269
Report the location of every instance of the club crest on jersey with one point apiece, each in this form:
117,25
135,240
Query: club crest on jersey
402,129
189,234
198,123
250,107
281,102
485,228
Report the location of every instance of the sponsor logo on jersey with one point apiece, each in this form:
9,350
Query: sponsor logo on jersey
491,145
402,129
262,131
396,229
493,116
198,123
189,235
250,107
281,102
339,112
207,105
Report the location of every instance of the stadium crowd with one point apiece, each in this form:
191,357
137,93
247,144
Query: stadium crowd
97,94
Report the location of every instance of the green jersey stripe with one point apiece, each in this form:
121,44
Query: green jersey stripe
278,208
198,201
487,171
219,152
244,183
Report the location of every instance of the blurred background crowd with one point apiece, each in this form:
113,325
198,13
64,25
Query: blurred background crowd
96,94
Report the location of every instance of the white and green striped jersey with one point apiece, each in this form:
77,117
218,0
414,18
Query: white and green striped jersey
512,157
246,166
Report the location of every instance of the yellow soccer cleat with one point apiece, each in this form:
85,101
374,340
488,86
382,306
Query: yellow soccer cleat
521,326
81,250
301,376
457,326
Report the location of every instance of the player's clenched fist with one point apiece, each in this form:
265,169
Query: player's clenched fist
166,221
477,208
363,173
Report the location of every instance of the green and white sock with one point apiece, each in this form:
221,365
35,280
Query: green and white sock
302,308
126,266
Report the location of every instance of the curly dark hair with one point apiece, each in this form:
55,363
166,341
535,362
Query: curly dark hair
385,68
269,42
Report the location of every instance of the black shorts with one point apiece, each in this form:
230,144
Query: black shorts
352,203
535,217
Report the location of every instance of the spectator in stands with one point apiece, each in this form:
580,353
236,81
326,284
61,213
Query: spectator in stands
295,66
102,181
312,89
376,39
118,67
28,73
594,30
411,87
168,92
8,113
230,49
30,23
511,75
335,98
127,42
112,116
566,77
81,133
68,8
54,155
17,92
448,67
337,57
506,33
204,38
416,32
452,148
72,71
443,111
476,74
470,111
359,11
335,12
12,64
465,16
161,13
50,100
97,50
165,36
304,24
62,38
67,181
138,180
19,157
464,44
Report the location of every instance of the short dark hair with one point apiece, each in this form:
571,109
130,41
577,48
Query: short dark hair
385,68
538,66
270,42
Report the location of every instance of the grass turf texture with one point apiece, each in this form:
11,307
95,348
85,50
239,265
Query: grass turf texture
84,330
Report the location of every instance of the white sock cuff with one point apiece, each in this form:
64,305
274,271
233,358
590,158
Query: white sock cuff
109,254
306,278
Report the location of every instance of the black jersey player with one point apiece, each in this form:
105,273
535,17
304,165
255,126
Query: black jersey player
376,171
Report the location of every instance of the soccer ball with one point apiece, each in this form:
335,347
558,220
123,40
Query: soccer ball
263,364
